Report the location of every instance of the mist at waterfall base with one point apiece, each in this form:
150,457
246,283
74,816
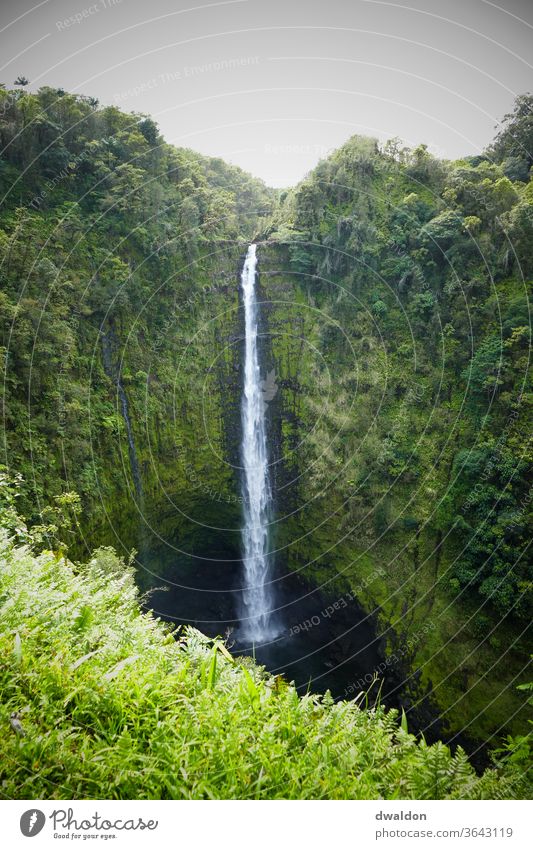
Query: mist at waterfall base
316,647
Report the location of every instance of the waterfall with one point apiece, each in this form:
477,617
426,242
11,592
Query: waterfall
257,620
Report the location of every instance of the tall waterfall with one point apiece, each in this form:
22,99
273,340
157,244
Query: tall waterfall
257,620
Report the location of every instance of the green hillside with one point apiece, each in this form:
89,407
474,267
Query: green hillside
395,307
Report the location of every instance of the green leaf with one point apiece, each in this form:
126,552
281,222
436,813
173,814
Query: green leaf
212,669
251,686
225,653
117,669
17,648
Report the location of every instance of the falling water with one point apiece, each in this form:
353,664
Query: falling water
257,624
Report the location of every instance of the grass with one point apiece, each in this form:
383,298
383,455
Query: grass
113,705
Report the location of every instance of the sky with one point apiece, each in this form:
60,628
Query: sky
275,85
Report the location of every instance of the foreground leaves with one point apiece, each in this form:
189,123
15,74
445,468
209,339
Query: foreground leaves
113,708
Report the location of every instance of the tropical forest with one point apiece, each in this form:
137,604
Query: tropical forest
265,482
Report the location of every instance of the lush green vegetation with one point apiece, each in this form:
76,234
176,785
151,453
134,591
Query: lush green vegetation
107,703
425,265
118,318
109,235
412,278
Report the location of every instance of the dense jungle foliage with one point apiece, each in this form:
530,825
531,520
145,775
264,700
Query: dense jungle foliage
107,234
418,416
411,277
427,268
109,703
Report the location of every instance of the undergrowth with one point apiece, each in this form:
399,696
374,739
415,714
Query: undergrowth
101,700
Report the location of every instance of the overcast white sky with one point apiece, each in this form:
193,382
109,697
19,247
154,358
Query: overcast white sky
273,85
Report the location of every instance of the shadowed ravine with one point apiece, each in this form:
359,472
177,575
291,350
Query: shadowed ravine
318,647
226,586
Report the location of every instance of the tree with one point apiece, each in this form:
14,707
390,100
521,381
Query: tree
515,138
149,130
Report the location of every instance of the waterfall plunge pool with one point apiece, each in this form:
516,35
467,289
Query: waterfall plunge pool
337,651
325,642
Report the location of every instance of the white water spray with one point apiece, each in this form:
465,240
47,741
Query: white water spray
257,624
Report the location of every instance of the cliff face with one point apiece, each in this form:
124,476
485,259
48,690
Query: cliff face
398,290
119,319
185,410
338,529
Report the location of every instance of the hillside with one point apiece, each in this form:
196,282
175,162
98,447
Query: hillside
395,319
112,243
398,291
